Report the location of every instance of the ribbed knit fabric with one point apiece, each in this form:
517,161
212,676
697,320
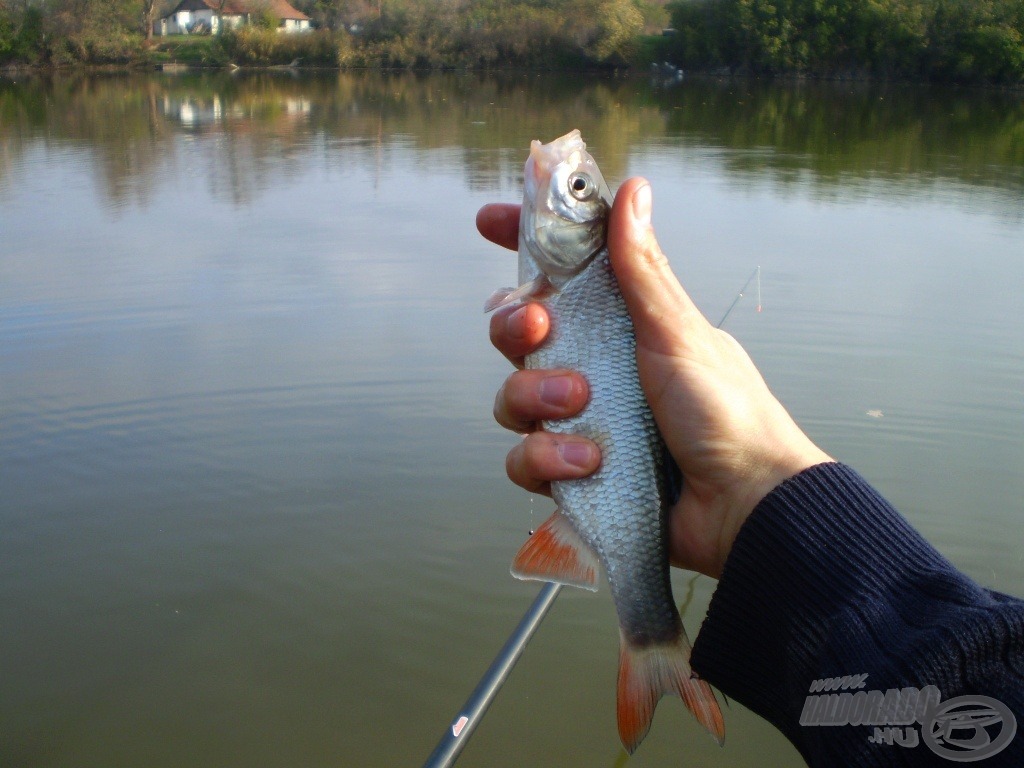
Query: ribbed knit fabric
826,580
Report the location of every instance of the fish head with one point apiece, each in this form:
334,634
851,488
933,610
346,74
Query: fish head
565,206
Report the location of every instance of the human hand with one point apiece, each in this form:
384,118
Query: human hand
732,439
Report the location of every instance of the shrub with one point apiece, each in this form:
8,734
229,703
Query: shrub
22,42
7,36
255,46
250,45
92,48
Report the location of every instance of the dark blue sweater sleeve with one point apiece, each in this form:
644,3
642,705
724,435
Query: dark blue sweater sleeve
827,581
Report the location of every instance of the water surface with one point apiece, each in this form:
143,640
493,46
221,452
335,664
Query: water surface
253,509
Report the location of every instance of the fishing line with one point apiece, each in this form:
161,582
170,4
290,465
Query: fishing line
755,274
461,728
759,288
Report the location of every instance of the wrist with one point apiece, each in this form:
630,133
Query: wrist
786,464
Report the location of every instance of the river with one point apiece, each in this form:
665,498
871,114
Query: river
253,509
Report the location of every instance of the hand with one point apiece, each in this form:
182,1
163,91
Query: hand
732,439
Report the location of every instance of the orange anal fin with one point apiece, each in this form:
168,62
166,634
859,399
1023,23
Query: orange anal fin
555,552
647,674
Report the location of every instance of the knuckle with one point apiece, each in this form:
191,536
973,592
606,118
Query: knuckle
525,467
518,470
518,398
512,404
512,464
499,406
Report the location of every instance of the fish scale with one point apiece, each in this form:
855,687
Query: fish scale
618,510
617,517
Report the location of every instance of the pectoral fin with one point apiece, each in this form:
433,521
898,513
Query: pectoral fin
556,552
537,288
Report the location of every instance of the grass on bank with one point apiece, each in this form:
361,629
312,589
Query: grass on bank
192,50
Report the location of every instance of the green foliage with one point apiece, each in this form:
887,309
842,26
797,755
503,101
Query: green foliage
499,33
320,48
978,40
962,40
117,47
969,40
21,40
651,48
256,46
8,33
250,45
655,15
263,17
195,50
31,36
613,36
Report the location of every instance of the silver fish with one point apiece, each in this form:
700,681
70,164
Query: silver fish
618,516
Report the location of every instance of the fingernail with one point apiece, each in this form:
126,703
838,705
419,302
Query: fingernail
555,390
515,325
642,205
577,454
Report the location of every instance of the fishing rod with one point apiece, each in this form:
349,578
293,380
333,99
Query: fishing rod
472,712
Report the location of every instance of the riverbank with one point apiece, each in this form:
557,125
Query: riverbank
658,76
697,43
476,34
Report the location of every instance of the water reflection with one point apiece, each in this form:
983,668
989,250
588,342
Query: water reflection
250,489
824,136
194,112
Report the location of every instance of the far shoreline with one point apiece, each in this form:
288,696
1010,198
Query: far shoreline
739,74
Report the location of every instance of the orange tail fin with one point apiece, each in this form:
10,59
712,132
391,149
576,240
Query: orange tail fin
647,674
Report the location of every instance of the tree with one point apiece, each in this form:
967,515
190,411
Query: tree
262,15
149,8
619,22
7,35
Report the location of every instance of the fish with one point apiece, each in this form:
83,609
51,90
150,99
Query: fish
617,518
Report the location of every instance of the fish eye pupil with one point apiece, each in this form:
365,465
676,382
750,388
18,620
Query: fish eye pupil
581,186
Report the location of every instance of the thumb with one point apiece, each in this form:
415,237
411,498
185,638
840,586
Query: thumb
663,314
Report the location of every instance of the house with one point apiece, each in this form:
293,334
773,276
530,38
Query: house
206,16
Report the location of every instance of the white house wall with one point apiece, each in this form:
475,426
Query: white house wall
181,22
294,25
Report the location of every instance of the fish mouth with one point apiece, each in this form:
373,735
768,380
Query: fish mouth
561,232
565,149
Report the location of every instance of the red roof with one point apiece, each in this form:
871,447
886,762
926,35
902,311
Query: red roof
280,8
284,10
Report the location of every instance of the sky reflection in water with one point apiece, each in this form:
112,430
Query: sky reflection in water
253,504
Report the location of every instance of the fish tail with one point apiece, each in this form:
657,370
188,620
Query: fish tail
646,673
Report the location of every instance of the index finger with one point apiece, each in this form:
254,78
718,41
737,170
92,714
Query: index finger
499,223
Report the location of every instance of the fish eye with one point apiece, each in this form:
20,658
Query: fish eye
581,186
